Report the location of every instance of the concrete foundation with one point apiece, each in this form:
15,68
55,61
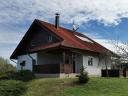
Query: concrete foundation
62,75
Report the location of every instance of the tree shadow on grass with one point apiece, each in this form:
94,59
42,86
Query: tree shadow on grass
74,83
77,83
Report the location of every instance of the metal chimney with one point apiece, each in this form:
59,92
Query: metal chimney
57,20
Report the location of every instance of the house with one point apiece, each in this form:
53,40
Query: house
54,51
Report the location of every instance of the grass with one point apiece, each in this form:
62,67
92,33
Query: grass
12,88
69,87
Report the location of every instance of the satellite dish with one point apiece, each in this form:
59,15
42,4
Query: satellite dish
75,26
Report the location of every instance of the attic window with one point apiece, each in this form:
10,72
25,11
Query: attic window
33,43
84,39
50,38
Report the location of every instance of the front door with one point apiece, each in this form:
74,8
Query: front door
69,63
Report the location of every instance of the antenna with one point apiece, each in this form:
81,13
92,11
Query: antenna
75,26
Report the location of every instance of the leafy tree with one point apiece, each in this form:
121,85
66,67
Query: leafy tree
5,65
121,49
6,69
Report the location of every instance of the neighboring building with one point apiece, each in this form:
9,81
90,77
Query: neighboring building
50,50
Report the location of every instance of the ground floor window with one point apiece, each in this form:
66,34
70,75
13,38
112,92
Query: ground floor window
22,64
90,61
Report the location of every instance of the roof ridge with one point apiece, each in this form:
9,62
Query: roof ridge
53,25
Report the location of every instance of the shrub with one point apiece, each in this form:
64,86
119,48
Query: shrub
6,75
5,66
24,75
6,69
83,77
11,88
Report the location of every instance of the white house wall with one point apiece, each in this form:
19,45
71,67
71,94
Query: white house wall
81,59
28,61
95,69
98,65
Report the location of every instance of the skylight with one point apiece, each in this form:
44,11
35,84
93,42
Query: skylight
84,39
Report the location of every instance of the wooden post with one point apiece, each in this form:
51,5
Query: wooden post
63,54
72,62
63,57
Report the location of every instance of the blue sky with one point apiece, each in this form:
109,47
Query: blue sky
102,20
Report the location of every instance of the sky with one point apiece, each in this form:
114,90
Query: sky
102,20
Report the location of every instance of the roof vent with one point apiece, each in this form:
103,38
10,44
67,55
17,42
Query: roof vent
57,20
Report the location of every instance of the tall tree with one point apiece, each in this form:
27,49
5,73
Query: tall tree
121,49
5,65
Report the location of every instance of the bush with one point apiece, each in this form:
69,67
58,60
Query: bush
6,75
24,75
83,77
5,66
11,88
6,69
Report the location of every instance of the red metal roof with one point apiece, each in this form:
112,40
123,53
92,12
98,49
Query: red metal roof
69,39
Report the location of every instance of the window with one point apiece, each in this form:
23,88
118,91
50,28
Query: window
22,64
33,43
50,38
90,61
84,39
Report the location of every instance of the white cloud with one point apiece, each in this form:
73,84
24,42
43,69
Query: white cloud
117,47
108,12
9,38
106,43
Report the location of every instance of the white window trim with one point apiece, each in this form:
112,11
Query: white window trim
92,60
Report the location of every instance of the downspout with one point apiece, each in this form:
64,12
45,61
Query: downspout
30,56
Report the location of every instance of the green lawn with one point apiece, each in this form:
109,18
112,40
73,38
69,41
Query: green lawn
69,87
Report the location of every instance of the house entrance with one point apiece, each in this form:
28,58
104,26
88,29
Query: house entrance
69,62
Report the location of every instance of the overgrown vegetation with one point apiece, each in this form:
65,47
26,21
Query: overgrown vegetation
83,77
23,75
12,88
65,87
6,69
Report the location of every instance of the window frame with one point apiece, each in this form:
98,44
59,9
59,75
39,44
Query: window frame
33,43
90,61
23,63
50,38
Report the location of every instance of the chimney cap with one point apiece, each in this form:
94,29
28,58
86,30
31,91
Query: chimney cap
57,14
